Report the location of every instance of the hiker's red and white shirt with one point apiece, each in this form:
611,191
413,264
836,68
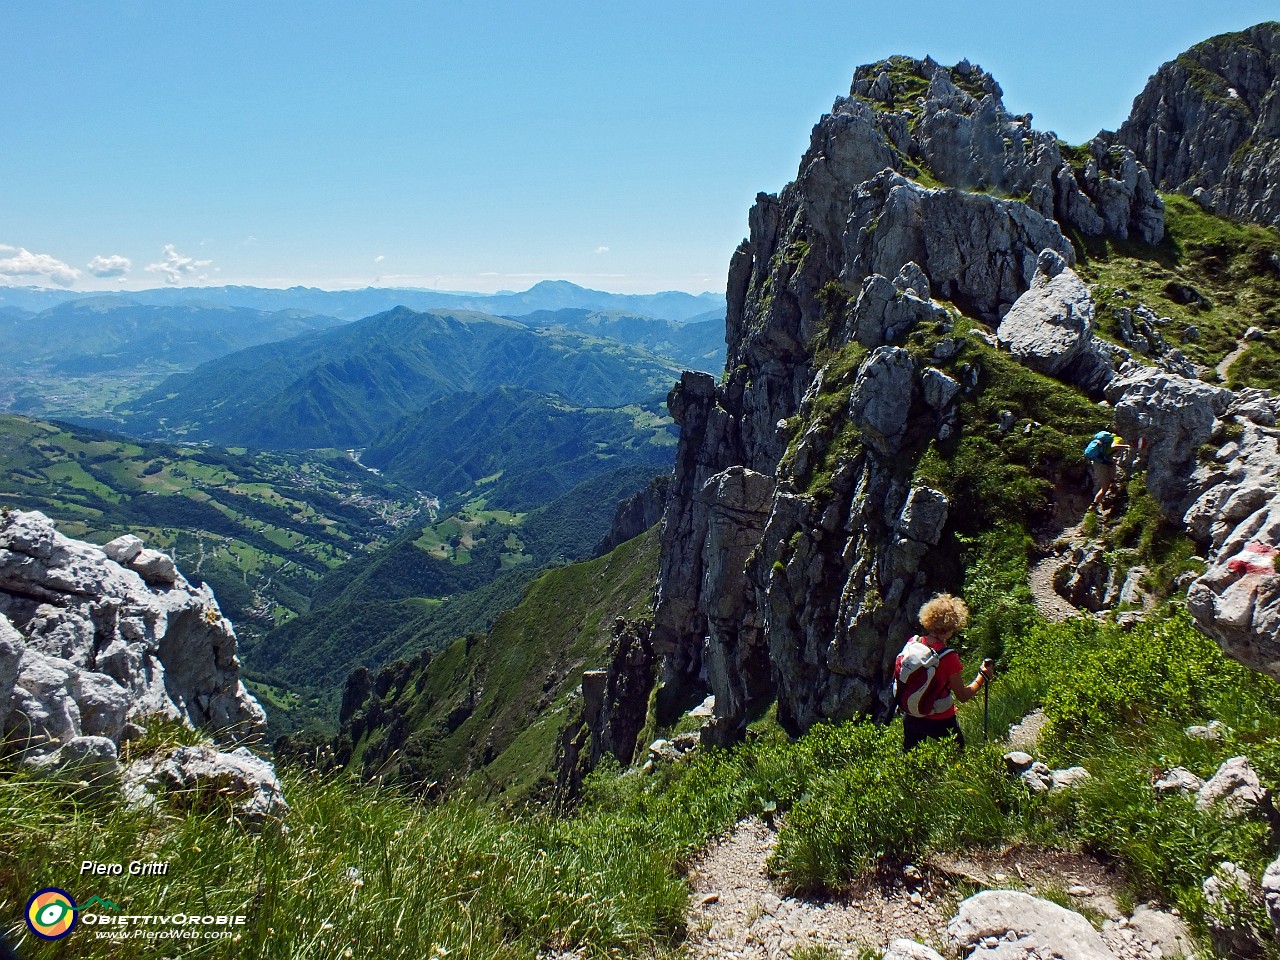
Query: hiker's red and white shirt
944,707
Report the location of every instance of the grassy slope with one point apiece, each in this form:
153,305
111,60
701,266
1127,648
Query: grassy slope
474,881
507,693
1234,267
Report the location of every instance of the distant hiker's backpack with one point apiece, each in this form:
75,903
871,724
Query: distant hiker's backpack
1099,447
913,678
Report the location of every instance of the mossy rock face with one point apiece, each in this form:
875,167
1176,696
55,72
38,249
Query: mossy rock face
1210,107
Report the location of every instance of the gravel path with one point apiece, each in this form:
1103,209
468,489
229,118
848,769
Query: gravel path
1225,363
1050,604
737,911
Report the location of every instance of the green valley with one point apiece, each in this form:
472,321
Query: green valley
344,387
261,528
323,565
517,448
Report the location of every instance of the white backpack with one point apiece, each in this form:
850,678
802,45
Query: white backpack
913,673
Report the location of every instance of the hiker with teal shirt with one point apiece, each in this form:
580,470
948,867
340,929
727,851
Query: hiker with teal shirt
1101,453
926,675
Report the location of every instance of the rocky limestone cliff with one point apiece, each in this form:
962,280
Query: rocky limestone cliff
919,195
1208,124
635,515
615,703
94,640
797,538
1235,513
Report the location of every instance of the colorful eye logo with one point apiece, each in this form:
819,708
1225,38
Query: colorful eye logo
51,913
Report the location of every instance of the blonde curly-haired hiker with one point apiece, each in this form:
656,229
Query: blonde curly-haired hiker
926,675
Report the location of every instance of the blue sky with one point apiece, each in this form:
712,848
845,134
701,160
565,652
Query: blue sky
479,146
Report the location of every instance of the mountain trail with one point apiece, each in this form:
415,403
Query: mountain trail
737,910
1052,606
1066,534
1225,363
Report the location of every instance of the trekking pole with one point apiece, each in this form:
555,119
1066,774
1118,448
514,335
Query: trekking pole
986,708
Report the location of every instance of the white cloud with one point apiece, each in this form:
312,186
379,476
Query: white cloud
113,266
379,258
175,267
602,249
18,262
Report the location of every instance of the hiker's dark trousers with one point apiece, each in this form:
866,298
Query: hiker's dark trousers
918,729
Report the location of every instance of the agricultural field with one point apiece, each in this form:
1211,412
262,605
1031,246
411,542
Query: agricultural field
262,528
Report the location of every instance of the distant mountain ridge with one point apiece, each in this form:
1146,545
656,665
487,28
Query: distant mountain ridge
345,386
353,304
110,332
696,344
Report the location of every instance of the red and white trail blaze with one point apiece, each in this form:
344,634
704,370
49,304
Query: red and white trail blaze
1255,558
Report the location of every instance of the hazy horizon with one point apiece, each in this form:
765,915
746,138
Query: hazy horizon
71,292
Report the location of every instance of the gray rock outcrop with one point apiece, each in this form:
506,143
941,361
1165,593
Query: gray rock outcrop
1235,787
881,399
887,309
1176,417
791,561
615,704
102,644
1008,925
1208,124
636,514
1271,892
95,638
202,779
1087,579
978,251
1229,893
1223,490
1236,513
1178,780
1050,325
1040,778
961,133
903,949
795,547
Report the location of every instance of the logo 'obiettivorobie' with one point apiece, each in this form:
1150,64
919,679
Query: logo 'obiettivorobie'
51,913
